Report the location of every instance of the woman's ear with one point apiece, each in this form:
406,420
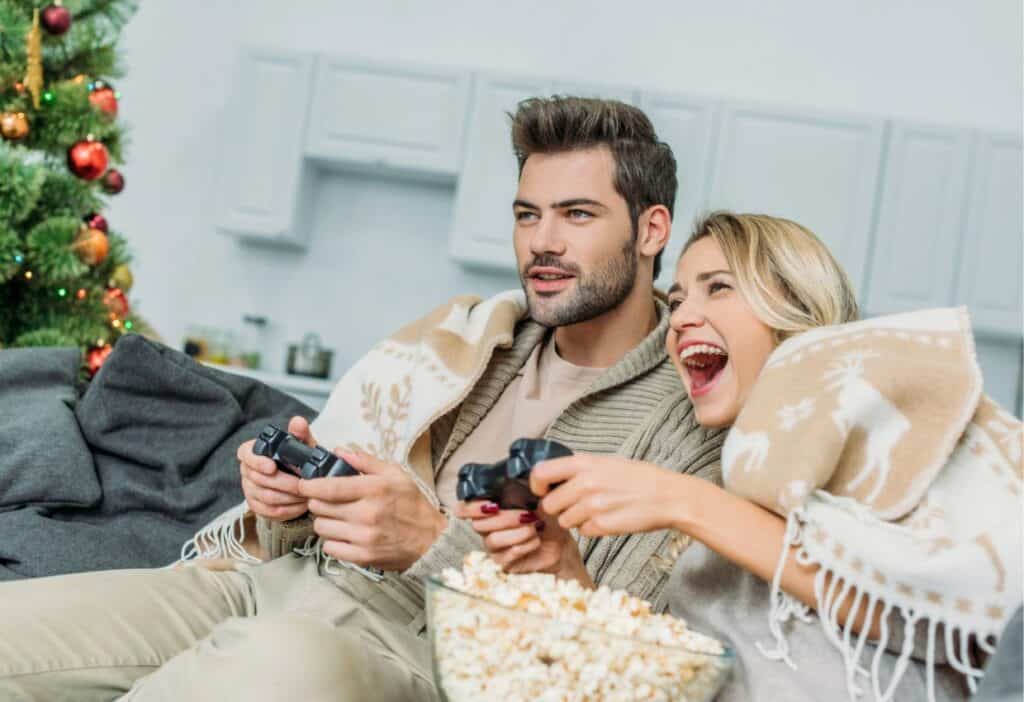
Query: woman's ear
653,230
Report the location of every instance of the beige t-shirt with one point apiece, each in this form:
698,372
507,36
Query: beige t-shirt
541,390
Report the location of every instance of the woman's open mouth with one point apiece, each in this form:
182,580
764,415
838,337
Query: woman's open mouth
704,364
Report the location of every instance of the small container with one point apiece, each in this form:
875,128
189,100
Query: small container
309,358
483,648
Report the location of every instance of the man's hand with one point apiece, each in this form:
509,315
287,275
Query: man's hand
526,542
377,519
272,493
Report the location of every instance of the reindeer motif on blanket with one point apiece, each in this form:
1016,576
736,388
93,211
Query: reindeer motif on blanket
755,444
861,405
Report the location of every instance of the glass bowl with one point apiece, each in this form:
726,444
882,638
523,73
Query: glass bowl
485,650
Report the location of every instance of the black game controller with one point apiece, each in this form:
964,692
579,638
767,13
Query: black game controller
293,456
507,482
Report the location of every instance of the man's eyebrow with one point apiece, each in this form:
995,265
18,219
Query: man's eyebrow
576,202
524,203
701,277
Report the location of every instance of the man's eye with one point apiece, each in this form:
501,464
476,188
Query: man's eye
525,216
579,214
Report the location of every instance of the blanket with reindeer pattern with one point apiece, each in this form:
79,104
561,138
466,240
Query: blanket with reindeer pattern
896,476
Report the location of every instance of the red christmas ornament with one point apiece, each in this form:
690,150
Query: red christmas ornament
103,97
96,221
113,181
88,159
116,301
55,19
95,357
91,245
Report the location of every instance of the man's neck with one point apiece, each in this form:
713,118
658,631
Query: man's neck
601,342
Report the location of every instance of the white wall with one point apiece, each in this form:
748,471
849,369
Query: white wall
378,252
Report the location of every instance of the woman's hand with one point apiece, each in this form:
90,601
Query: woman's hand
606,495
525,542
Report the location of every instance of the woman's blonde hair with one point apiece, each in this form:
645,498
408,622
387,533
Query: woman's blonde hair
787,275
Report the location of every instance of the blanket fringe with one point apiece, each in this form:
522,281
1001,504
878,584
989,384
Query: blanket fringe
831,590
783,606
329,564
224,537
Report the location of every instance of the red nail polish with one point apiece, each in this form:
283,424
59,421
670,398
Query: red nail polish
541,526
527,518
489,508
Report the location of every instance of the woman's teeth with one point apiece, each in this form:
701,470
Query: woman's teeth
695,355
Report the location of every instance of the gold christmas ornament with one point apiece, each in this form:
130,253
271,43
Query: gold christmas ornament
34,70
121,278
13,125
91,246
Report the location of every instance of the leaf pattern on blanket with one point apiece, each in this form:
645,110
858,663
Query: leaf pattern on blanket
385,416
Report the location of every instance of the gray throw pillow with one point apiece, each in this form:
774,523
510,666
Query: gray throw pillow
44,459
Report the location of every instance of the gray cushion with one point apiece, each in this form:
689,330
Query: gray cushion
44,458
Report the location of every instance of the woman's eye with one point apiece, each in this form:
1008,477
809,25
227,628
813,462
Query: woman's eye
716,286
673,305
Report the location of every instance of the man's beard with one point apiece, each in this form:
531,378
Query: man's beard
595,293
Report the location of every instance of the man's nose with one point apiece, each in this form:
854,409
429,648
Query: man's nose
545,238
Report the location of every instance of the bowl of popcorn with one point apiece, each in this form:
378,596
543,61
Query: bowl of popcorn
535,637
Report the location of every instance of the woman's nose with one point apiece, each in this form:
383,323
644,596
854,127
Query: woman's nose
686,315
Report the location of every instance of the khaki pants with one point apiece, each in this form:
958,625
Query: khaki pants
277,631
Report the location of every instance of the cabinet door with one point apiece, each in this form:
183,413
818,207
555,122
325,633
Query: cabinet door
407,120
914,259
818,170
688,126
482,228
990,265
261,165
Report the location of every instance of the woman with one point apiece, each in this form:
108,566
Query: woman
743,285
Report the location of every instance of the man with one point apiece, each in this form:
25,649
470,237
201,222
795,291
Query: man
588,368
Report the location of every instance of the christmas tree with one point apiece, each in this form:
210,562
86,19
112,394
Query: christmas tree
64,273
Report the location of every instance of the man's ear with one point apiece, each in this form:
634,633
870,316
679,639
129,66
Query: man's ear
653,230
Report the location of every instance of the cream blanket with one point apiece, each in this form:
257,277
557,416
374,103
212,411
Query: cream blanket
386,402
896,476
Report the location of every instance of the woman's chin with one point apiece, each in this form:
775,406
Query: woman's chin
714,417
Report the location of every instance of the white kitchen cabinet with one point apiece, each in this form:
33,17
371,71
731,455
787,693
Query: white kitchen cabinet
388,118
989,280
263,181
916,242
482,224
820,170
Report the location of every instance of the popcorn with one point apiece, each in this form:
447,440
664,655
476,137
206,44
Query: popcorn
555,641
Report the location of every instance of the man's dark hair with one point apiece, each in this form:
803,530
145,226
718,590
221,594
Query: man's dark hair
645,169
